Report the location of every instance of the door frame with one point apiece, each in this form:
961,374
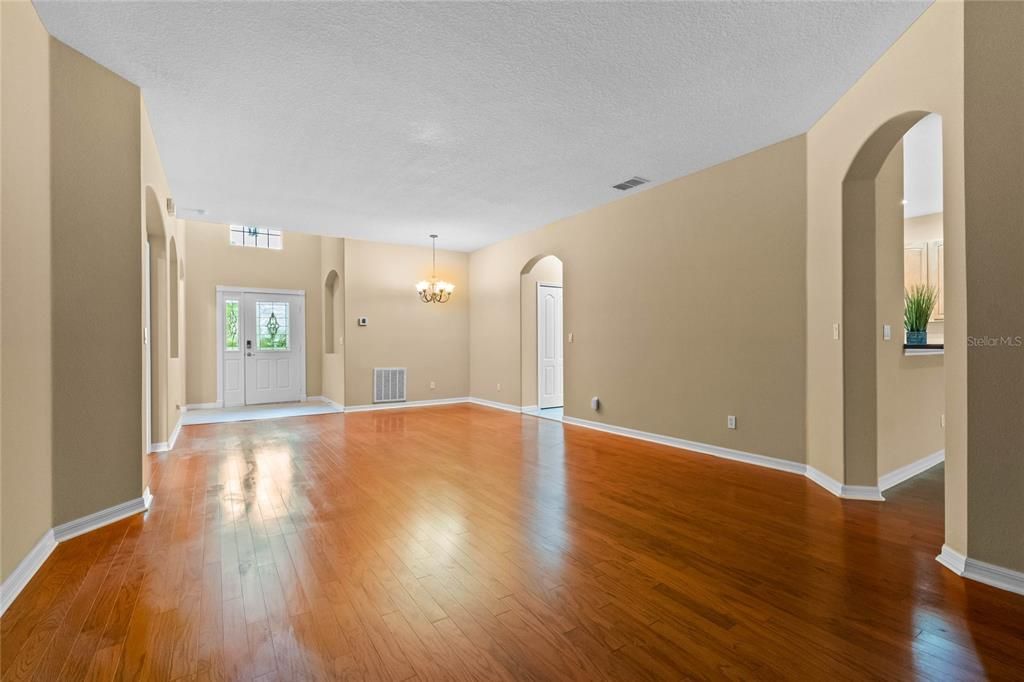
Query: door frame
540,369
223,290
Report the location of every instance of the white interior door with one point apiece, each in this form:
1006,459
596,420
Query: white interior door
550,362
273,342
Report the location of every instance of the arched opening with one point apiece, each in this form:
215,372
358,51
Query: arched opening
331,285
893,258
154,334
542,337
173,290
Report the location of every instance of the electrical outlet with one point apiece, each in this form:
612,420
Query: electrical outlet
942,421
432,385
835,331
571,337
499,388
731,421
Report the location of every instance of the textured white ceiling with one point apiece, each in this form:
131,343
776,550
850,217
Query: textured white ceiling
922,167
389,121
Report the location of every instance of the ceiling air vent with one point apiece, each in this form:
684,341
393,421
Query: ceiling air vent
634,181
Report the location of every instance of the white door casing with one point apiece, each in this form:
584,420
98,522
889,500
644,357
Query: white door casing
265,360
550,359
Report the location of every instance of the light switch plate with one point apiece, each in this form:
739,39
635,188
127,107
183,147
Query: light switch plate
887,332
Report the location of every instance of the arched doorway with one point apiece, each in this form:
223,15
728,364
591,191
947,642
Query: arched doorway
893,392
156,337
542,367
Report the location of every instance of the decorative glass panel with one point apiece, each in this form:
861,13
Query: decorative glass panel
272,325
231,325
259,237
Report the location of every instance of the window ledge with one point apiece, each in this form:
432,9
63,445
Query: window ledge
926,349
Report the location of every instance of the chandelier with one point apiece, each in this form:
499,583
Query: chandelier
434,291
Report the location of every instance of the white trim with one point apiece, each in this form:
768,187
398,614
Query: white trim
23,572
261,290
910,352
531,409
871,493
167,446
910,470
952,559
824,480
37,556
704,448
73,529
324,399
399,406
995,576
849,492
495,405
981,571
204,406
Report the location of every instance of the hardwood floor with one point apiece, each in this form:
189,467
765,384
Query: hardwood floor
461,542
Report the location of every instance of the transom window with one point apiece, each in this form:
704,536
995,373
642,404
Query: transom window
259,237
272,325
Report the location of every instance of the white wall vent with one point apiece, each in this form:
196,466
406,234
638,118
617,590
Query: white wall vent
388,384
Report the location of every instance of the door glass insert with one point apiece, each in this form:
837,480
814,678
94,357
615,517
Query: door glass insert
231,325
272,325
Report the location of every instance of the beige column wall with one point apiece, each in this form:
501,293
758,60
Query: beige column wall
548,270
994,168
686,301
213,261
97,285
430,340
921,72
26,389
332,263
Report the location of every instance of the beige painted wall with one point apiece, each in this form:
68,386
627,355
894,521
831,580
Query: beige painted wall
213,261
548,270
911,390
332,260
431,340
922,71
994,167
26,454
686,301
97,285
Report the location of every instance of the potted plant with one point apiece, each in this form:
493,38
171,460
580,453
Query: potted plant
918,304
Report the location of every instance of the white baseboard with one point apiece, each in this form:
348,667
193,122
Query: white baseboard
981,571
704,448
952,559
203,406
34,560
27,568
531,409
327,401
496,405
73,529
409,403
825,481
168,445
910,470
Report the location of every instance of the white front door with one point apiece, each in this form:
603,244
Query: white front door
550,362
273,333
